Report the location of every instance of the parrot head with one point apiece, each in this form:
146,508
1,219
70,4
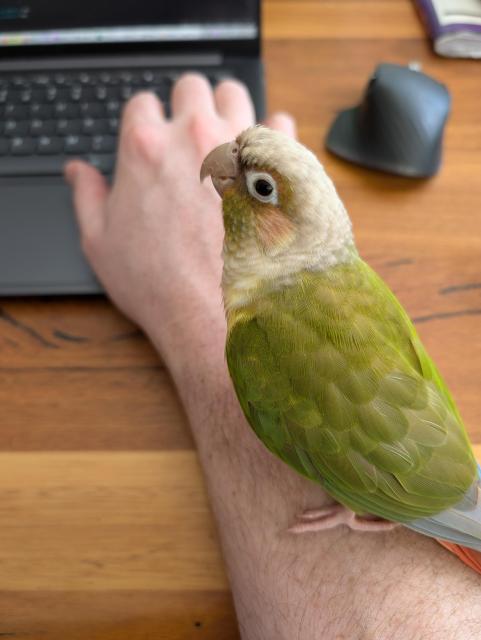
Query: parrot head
281,212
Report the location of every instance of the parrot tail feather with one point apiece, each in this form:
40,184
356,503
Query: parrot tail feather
470,557
459,526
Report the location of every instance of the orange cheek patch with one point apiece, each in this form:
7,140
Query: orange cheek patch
274,229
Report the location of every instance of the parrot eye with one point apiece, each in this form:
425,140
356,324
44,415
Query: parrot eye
262,186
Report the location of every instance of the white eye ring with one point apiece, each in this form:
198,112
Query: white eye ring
253,177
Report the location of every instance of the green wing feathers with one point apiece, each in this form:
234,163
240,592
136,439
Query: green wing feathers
333,378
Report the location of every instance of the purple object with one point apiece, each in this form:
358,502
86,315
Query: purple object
454,26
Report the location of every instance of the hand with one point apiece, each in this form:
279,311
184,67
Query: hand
154,238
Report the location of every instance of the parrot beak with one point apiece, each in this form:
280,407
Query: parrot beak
222,165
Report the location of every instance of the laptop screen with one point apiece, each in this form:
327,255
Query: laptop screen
97,22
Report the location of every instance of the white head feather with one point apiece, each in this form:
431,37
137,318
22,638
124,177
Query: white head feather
323,235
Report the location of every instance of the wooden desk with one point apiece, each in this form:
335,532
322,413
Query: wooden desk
105,532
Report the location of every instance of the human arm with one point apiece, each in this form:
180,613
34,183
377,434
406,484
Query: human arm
155,242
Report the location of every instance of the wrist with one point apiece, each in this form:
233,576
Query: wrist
190,341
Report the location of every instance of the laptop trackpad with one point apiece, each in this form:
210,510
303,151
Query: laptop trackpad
39,241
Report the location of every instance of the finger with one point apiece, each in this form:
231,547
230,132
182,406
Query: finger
141,131
144,107
192,94
90,191
282,122
234,104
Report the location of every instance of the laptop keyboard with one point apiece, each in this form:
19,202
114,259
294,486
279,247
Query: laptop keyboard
47,118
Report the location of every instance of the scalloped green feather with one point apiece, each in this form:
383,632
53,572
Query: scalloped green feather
333,378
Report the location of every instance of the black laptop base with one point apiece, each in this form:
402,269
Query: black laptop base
51,114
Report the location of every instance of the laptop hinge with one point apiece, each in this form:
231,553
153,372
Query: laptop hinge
117,61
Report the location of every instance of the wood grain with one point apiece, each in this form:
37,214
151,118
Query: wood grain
113,408
122,520
106,531
118,615
332,20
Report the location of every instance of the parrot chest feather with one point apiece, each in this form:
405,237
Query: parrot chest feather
249,274
333,379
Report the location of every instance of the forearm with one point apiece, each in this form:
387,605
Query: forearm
336,584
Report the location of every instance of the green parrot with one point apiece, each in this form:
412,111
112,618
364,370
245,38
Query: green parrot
327,366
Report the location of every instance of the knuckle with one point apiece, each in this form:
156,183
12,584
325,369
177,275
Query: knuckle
143,140
283,122
230,85
91,230
203,132
138,101
193,78
88,240
284,117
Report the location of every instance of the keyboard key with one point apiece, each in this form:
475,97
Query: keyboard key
107,77
126,92
136,78
92,109
77,93
113,125
41,111
43,127
50,145
4,146
113,107
41,79
104,144
3,96
106,93
32,166
85,78
66,110
67,127
90,126
60,79
19,81
51,94
148,76
125,77
46,165
16,111
77,144
101,92
15,127
160,78
114,77
26,96
22,146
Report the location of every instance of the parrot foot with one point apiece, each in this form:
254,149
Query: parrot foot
314,520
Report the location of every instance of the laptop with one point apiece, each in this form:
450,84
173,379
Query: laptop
66,69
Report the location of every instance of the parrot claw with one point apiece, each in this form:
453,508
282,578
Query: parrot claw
314,520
